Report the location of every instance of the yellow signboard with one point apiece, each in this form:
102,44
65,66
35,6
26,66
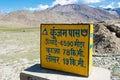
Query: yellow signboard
67,47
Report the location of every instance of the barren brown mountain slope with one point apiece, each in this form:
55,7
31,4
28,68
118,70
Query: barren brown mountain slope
71,13
105,40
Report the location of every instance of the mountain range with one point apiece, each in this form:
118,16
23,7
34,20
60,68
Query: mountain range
115,10
106,32
71,13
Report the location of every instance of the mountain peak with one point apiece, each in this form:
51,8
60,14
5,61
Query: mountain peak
57,5
70,7
83,11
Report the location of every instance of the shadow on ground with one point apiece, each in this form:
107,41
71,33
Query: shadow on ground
38,69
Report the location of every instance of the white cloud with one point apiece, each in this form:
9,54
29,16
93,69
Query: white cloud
64,2
111,5
38,8
91,1
42,7
119,4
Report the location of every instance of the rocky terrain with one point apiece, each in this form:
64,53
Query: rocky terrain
106,38
110,62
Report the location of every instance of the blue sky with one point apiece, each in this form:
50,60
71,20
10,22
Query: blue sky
12,5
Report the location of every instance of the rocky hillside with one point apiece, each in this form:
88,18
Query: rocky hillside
83,13
71,13
107,37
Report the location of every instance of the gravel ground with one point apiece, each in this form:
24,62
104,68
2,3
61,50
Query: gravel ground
17,54
19,49
110,62
11,71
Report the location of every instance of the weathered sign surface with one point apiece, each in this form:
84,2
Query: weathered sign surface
67,47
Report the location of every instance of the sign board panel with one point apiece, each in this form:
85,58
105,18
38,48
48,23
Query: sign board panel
67,47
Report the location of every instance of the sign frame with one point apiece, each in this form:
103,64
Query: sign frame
90,26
